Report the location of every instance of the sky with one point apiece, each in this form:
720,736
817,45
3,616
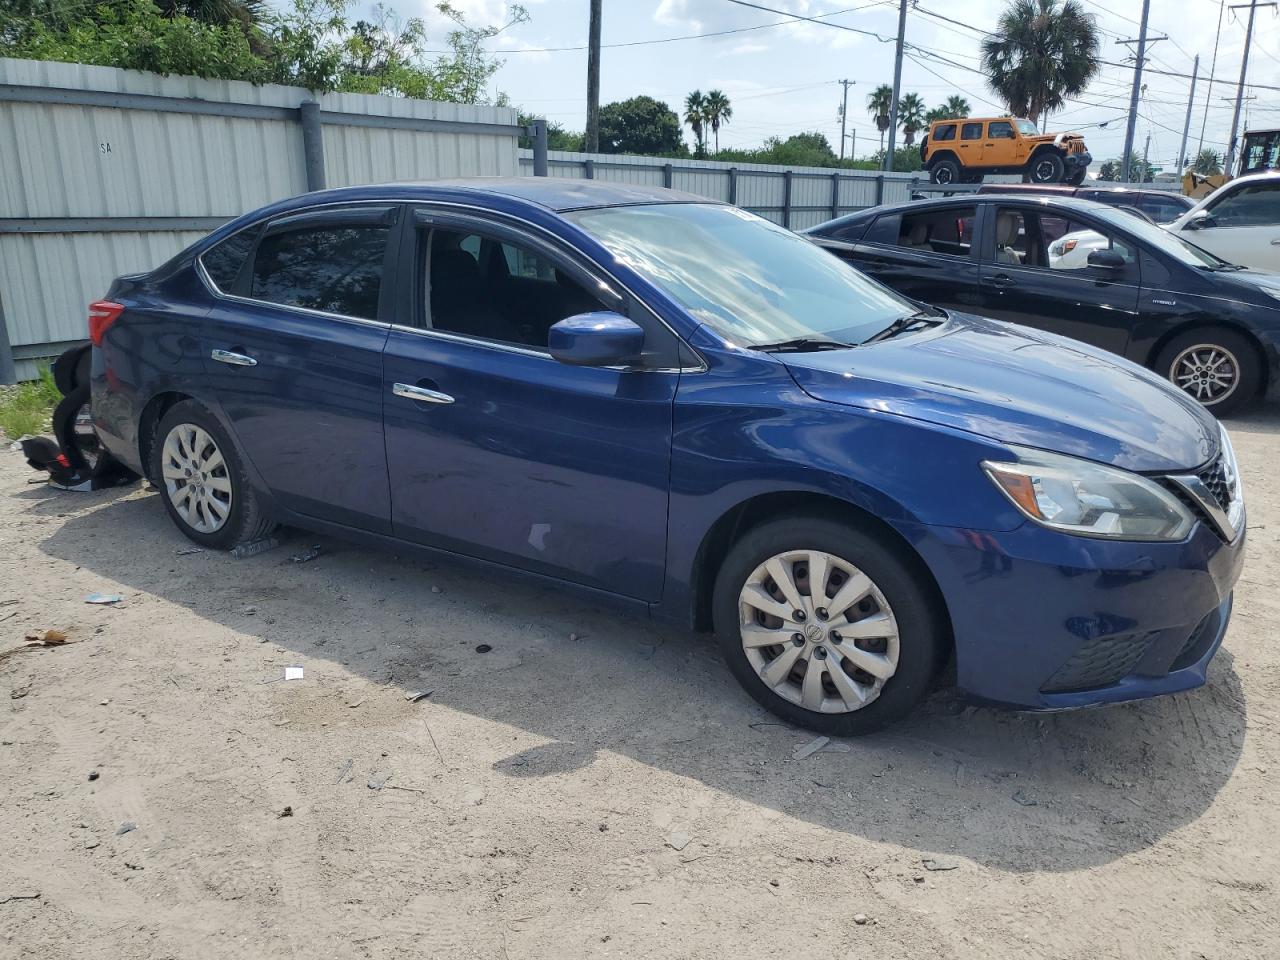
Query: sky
782,76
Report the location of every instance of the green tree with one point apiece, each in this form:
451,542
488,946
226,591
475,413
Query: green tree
695,115
641,125
911,116
558,138
1139,171
879,103
1207,163
956,108
1041,52
718,112
462,75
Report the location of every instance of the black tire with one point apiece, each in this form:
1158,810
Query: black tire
945,171
1178,358
1046,167
245,521
923,634
1076,178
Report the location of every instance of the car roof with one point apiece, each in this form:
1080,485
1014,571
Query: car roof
559,194
966,200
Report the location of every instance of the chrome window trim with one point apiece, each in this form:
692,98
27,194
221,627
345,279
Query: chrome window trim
469,209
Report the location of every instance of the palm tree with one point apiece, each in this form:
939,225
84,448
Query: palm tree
956,108
1208,163
1041,53
879,103
717,111
695,114
911,116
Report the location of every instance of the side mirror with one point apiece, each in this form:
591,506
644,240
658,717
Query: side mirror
1106,258
600,339
1202,221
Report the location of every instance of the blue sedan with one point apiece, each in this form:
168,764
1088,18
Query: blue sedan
676,405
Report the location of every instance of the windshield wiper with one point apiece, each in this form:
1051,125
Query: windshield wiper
800,345
906,323
1224,267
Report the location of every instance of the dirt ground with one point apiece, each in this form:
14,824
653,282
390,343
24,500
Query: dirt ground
593,786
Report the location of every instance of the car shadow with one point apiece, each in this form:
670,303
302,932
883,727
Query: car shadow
1015,791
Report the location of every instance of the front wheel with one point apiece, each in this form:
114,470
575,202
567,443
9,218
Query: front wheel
206,490
1219,368
1046,167
826,626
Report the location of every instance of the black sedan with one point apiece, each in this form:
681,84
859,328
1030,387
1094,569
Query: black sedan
1084,270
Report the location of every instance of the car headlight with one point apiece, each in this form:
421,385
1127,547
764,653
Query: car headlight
1086,498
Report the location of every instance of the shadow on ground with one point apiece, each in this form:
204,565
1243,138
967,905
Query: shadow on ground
1020,792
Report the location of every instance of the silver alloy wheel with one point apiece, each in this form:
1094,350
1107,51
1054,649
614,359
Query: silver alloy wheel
818,631
1044,171
943,174
195,478
1208,372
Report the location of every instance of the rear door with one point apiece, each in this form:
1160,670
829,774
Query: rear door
1035,272
515,457
293,350
924,252
969,147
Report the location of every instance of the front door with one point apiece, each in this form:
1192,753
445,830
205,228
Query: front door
1035,271
1244,226
512,456
293,350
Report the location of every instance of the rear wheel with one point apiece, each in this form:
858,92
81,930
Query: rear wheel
945,171
202,479
1046,167
1218,368
827,627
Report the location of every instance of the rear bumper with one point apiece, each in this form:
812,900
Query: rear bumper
1046,621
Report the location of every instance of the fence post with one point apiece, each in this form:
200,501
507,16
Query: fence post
668,175
312,143
8,371
538,131
589,168
786,199
835,195
879,188
733,185
915,183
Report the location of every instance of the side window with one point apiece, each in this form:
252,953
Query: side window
1000,130
1161,209
1057,243
224,261
971,131
849,233
885,230
948,231
945,132
1255,205
492,289
333,268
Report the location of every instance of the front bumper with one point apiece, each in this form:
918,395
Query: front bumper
1048,621
1076,161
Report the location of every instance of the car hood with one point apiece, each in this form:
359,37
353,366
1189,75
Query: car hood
1020,386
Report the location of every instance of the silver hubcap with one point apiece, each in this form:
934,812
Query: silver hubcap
944,175
1207,372
818,631
196,479
1044,170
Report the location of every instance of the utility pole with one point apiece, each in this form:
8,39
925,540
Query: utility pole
1186,124
593,81
1140,59
1146,152
897,85
844,112
1253,6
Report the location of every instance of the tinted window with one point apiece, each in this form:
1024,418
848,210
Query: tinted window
1255,205
947,231
491,289
850,231
971,131
223,262
1162,209
1052,242
1000,130
945,132
886,229
337,269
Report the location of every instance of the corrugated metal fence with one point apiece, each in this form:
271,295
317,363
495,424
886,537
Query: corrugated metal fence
106,171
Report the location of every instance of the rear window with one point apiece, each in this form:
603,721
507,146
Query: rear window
945,132
223,261
334,269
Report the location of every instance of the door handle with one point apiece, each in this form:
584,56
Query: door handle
235,359
1276,242
422,394
1000,280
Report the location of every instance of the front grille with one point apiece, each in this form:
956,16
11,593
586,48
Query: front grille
1100,662
1217,479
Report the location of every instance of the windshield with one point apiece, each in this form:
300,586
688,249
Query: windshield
1166,242
1027,128
750,280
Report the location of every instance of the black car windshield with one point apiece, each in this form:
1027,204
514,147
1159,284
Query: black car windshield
1163,240
750,280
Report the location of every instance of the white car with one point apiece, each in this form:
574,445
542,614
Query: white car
1071,250
1240,222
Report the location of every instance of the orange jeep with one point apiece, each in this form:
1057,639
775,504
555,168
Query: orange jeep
962,151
